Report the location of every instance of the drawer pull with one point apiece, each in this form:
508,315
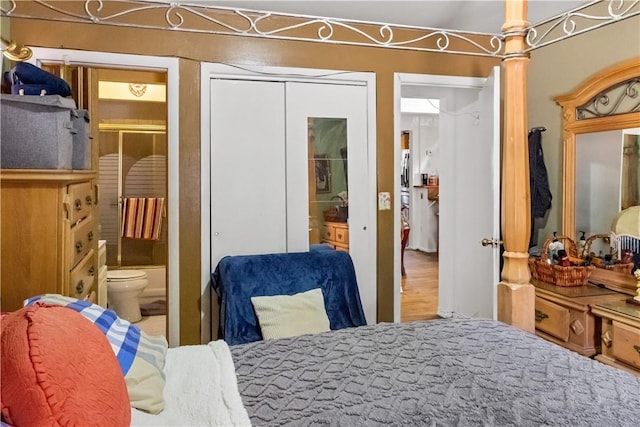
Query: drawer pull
89,199
78,246
577,327
91,270
606,339
80,287
637,348
540,315
90,236
77,204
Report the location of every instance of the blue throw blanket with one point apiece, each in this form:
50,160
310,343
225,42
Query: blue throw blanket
238,278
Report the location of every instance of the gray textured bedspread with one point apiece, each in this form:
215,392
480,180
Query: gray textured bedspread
447,372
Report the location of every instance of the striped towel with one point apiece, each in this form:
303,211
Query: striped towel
142,217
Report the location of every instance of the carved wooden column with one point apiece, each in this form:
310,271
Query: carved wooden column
516,296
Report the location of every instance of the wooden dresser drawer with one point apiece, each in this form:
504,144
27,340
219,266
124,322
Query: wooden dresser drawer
342,235
336,235
83,276
552,319
626,344
81,199
81,240
329,233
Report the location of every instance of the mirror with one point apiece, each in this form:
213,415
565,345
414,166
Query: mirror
600,127
606,180
328,184
597,115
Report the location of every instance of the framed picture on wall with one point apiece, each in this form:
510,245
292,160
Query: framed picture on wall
323,173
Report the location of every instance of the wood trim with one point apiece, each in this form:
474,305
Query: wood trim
597,83
600,81
46,175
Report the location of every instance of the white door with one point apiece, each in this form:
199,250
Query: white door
247,168
343,102
260,170
477,188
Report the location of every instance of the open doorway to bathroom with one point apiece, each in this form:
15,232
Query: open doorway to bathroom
128,117
132,177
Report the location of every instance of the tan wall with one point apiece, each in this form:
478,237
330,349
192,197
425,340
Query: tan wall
192,48
559,68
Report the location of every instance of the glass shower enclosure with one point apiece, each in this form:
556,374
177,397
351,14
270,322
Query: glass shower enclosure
133,169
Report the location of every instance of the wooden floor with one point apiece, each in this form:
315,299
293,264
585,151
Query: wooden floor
419,299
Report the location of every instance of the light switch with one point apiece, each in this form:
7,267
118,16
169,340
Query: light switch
384,201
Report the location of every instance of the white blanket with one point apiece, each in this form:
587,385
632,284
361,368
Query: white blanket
201,389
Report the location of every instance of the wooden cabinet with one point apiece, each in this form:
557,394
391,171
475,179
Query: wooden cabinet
48,234
563,315
620,335
336,234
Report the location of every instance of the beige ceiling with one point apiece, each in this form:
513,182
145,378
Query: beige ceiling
486,16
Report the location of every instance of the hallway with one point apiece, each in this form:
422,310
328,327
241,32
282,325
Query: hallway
419,299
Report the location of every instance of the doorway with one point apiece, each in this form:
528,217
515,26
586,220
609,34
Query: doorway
462,149
132,176
168,67
420,161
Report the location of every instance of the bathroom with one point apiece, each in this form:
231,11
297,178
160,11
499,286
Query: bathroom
132,179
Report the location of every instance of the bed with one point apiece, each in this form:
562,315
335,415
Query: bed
456,371
441,372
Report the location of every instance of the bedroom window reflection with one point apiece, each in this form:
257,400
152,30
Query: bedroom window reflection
328,187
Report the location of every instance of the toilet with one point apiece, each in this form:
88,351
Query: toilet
123,288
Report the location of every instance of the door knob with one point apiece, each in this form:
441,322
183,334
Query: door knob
491,242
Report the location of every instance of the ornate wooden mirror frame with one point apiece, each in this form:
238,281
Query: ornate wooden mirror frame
589,109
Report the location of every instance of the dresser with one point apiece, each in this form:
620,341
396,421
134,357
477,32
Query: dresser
336,235
564,316
620,335
48,234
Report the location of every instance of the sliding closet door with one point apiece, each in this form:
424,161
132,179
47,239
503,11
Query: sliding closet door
273,144
248,201
331,120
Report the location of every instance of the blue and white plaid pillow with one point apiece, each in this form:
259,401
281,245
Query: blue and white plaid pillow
141,356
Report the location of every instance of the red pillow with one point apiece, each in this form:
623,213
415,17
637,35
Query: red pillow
59,369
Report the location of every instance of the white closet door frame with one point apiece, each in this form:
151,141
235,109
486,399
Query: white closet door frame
283,74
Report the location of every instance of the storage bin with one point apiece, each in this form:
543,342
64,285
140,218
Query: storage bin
81,158
36,132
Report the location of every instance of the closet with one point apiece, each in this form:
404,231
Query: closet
271,180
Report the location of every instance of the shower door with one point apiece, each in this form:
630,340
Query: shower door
132,165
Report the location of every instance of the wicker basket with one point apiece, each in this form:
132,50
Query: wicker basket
336,214
617,264
543,270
